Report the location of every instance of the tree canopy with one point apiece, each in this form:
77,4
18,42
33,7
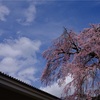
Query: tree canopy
77,56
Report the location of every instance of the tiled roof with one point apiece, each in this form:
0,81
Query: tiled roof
17,81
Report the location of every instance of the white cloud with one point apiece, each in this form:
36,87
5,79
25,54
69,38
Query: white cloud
55,89
29,15
27,75
4,11
18,58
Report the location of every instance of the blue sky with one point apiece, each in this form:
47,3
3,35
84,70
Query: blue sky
27,28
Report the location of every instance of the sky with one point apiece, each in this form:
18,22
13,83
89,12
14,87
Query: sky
27,28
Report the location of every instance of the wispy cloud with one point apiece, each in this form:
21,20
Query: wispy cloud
37,2
18,58
4,11
29,15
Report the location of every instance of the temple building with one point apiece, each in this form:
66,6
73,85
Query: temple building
13,89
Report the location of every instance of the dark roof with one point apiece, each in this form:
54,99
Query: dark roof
24,87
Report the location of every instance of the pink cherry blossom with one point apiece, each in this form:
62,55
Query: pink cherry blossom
78,56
